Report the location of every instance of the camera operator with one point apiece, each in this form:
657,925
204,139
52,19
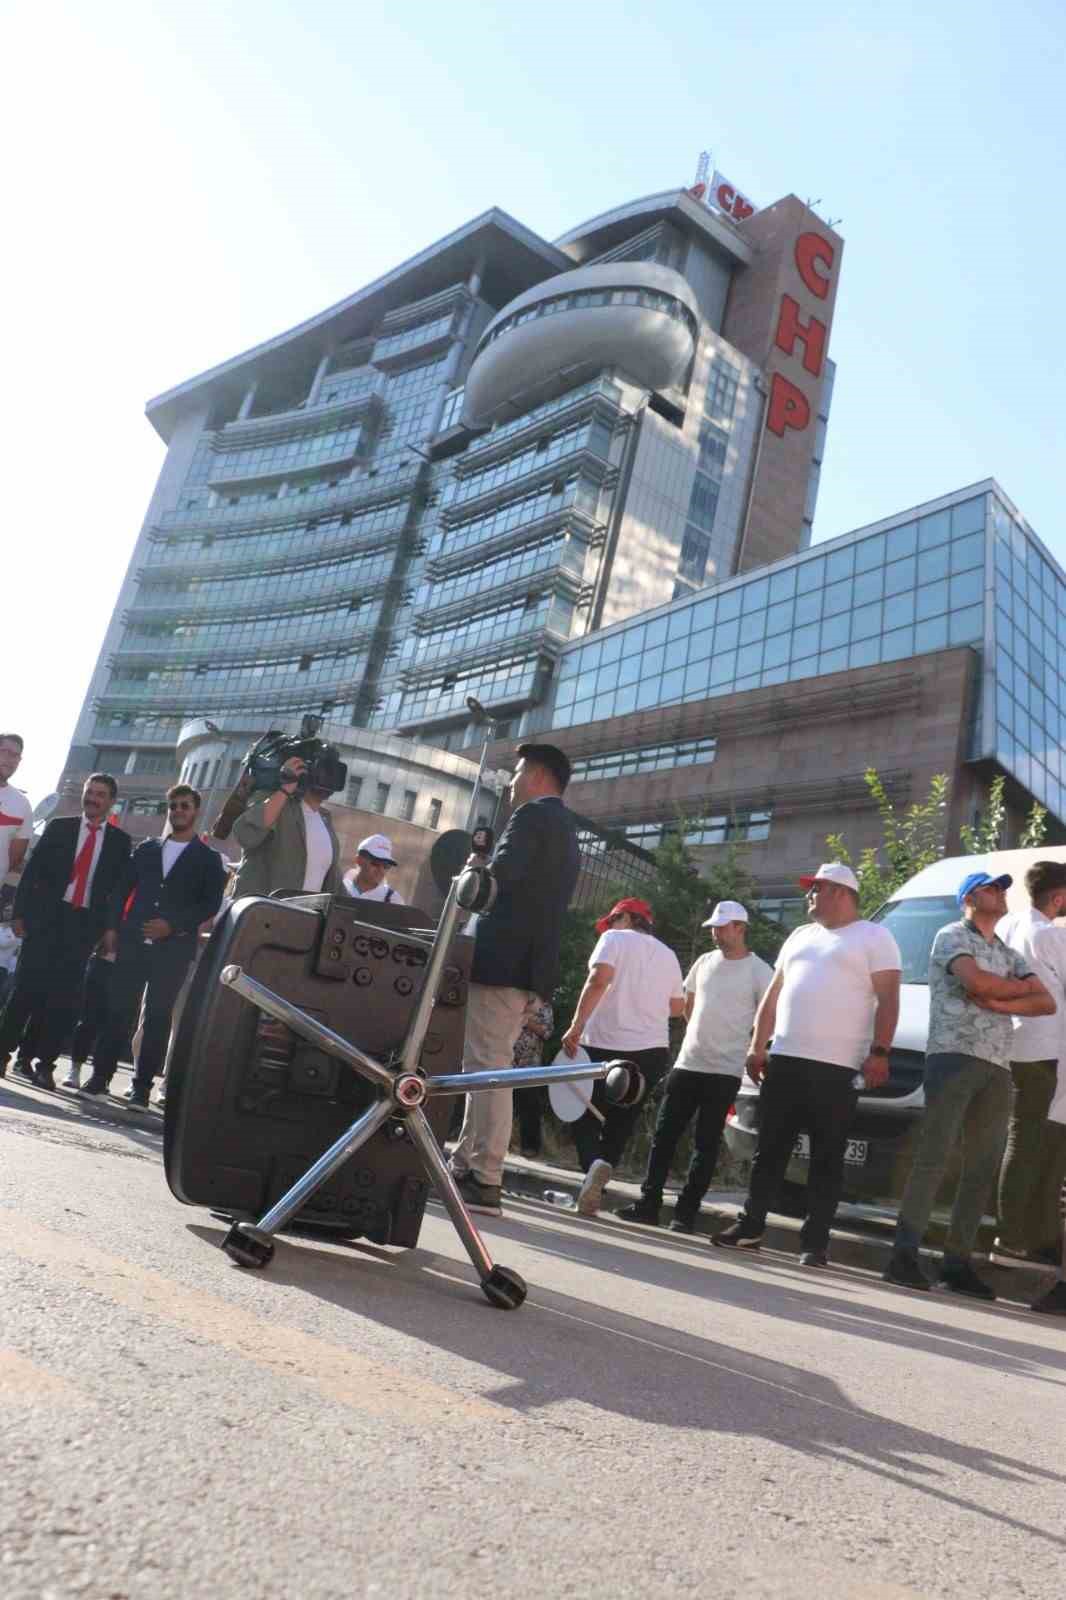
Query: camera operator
287,838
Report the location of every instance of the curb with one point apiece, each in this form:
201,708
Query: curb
850,1246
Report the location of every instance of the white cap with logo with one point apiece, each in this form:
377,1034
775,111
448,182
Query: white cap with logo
379,847
726,911
832,872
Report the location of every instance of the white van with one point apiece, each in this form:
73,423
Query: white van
885,1117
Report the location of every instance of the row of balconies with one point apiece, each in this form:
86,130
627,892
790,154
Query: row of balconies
294,424
262,606
446,562
515,437
224,563
375,485
592,466
255,650
557,578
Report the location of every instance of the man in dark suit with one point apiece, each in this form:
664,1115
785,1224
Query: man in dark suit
60,913
170,886
516,956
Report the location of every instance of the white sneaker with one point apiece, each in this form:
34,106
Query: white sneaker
590,1195
73,1078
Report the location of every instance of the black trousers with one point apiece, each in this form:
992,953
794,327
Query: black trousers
707,1096
92,1017
154,972
606,1141
43,1000
529,1108
801,1096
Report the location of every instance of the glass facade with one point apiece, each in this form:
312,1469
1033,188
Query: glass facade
866,598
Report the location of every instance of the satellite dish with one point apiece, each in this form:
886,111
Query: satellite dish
448,857
44,808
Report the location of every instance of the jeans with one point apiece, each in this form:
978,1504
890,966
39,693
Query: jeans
494,1016
606,1141
707,1096
965,1098
1034,1161
800,1095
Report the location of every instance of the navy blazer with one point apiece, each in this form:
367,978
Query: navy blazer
190,893
50,868
535,865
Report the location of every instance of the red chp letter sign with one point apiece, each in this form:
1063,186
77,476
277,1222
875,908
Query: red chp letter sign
788,406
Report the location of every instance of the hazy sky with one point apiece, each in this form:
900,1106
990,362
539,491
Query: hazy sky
185,179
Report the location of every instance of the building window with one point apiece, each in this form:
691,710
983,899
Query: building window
435,808
652,758
383,797
352,793
407,810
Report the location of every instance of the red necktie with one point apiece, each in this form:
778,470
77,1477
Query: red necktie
84,861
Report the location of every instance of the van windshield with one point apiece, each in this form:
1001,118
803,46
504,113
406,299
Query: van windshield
914,924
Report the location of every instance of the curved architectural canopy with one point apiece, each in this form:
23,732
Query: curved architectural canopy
636,316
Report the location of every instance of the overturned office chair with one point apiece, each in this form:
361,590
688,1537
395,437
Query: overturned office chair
250,1104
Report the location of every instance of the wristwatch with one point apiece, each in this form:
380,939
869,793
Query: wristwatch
879,1049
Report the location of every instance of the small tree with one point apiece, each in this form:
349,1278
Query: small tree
987,833
910,841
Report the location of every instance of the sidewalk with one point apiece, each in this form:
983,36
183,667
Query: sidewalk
861,1236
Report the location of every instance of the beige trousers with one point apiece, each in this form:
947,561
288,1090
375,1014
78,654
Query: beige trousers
493,1023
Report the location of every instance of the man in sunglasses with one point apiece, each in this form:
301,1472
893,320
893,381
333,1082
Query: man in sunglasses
170,887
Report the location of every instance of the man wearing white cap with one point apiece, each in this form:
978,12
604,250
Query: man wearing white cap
367,880
831,1012
722,993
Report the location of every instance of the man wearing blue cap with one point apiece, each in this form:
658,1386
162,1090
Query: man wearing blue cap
976,984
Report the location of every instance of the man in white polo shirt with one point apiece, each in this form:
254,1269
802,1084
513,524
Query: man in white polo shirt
831,1012
722,993
368,879
16,813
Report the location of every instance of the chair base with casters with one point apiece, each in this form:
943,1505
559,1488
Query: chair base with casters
401,1095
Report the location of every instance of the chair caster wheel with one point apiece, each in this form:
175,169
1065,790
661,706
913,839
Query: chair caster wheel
247,1248
504,1289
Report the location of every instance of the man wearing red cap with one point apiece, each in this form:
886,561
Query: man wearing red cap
831,1012
633,988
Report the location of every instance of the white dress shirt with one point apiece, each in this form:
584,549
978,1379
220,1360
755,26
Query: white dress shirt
83,834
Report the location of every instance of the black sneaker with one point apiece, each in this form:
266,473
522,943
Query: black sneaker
813,1258
1052,1304
682,1224
478,1196
738,1236
137,1095
95,1085
44,1077
640,1211
960,1278
23,1069
905,1273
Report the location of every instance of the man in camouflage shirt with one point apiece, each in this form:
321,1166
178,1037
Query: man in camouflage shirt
976,984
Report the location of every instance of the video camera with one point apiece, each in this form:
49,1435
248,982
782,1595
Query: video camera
324,770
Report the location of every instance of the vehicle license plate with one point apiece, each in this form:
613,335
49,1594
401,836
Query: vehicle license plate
855,1154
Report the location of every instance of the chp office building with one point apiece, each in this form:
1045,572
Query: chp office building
469,478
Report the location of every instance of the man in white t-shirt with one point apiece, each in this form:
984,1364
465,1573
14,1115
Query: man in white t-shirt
16,813
831,1012
633,988
368,879
722,994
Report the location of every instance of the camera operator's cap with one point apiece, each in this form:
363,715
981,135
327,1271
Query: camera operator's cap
982,880
636,908
832,872
726,911
378,848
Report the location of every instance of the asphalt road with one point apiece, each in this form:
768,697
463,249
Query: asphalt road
658,1419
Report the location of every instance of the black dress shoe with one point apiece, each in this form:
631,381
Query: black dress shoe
960,1278
813,1258
24,1069
44,1078
137,1095
682,1224
905,1273
639,1211
95,1085
1052,1304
